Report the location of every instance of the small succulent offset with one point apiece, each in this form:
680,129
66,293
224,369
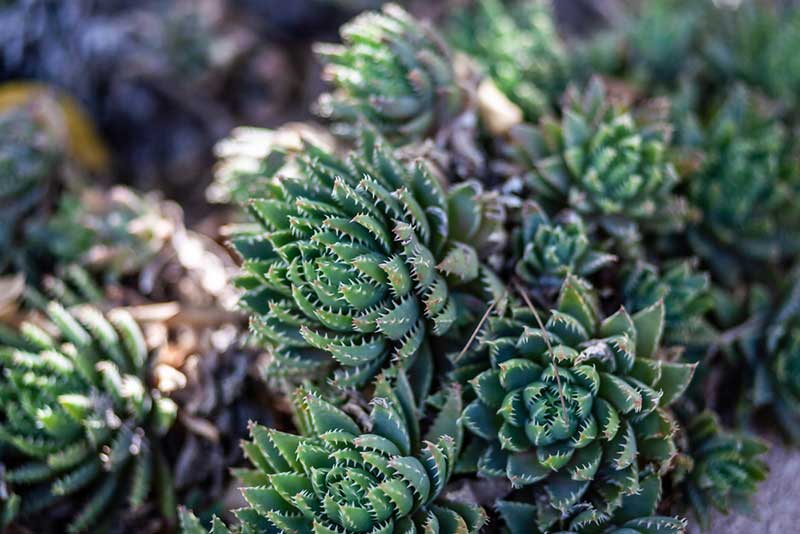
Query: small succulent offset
604,161
726,467
77,417
356,262
117,231
747,189
394,71
635,515
520,49
577,409
777,379
686,294
346,477
546,252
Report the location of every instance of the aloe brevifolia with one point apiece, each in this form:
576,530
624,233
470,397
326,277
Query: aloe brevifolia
607,162
687,298
360,261
725,470
394,71
577,409
746,189
635,515
349,477
547,251
519,47
78,419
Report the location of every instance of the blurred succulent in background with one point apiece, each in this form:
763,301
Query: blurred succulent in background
251,157
394,71
755,42
116,232
605,161
78,417
46,145
138,241
653,45
635,515
686,295
746,190
358,261
578,409
340,476
546,252
725,469
777,378
519,47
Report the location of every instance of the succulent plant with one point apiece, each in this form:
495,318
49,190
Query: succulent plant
251,157
636,515
776,358
643,44
117,232
358,262
579,408
746,190
78,419
754,43
29,157
343,476
608,164
546,252
520,49
726,467
394,71
686,294
46,145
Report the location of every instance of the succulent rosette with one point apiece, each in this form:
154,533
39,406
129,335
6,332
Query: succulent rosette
605,161
358,261
687,298
776,357
339,476
519,48
577,408
394,71
77,419
117,232
726,467
637,514
746,190
29,157
547,251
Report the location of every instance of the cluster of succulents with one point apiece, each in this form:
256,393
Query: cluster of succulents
604,160
568,337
